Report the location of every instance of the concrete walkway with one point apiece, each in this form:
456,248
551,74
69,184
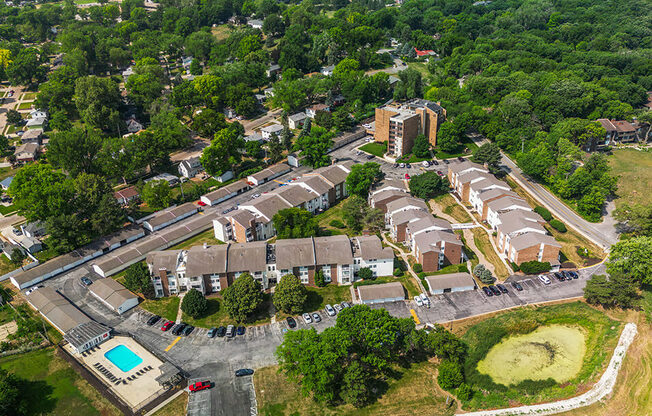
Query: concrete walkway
404,256
600,390
179,311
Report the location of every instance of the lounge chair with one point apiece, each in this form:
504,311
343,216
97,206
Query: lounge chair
149,367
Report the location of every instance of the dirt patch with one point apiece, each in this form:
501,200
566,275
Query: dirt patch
7,329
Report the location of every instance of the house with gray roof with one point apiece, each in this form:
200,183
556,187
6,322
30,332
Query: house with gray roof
113,295
381,293
447,283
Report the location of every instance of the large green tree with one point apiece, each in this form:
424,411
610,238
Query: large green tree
617,290
428,185
315,146
295,223
157,194
632,258
488,153
290,294
194,303
76,151
243,297
98,100
13,401
138,280
361,177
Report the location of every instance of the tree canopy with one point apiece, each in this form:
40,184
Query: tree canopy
362,177
290,294
243,297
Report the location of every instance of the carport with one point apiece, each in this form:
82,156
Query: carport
453,282
381,293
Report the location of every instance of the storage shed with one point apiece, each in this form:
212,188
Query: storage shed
381,293
453,282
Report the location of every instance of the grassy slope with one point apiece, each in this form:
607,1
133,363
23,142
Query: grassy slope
452,208
207,237
56,388
175,407
481,240
633,169
377,149
165,307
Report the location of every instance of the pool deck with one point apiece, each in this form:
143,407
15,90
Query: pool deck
135,393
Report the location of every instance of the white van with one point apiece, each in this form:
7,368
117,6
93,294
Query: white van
544,279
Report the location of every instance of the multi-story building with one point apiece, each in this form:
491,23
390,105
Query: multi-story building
399,125
436,249
213,268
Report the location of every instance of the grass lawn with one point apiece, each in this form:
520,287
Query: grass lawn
333,213
570,241
29,95
633,169
6,265
374,148
221,32
450,207
466,144
25,106
481,240
217,314
54,387
207,237
165,307
7,210
175,407
6,172
600,333
413,388
420,67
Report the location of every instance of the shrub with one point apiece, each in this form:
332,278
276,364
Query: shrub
398,272
477,270
534,267
464,392
515,267
337,224
558,225
545,214
422,275
194,303
418,268
320,281
366,273
450,375
486,277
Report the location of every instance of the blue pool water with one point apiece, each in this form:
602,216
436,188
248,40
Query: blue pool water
124,358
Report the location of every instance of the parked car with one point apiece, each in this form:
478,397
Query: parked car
345,305
487,292
307,318
559,276
402,165
240,330
434,162
440,173
187,330
154,319
407,176
425,164
167,326
425,299
86,281
418,300
573,274
517,286
177,330
494,290
370,157
460,158
201,203
200,385
395,165
211,332
221,331
330,311
316,317
502,288
244,372
544,279
445,161
291,322
338,307
407,165
230,331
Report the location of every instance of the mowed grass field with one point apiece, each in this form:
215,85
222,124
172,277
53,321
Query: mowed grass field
632,167
54,387
415,391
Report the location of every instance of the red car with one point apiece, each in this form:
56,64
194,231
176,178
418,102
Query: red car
167,326
407,176
201,203
200,385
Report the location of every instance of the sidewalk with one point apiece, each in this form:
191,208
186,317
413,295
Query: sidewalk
404,257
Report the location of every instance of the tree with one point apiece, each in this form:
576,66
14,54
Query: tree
428,185
315,146
631,258
224,152
295,223
365,273
4,143
421,147
636,218
361,177
320,280
97,100
209,122
450,375
448,137
464,392
358,214
12,401
138,280
488,153
195,67
76,151
157,194
290,294
18,256
26,67
357,389
40,192
14,117
243,297
617,290
286,137
194,304
590,205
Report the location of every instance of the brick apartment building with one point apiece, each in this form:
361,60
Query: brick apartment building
399,125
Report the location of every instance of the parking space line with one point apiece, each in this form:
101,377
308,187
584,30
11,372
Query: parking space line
172,345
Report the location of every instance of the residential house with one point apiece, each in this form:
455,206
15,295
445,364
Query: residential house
295,121
617,131
458,169
32,136
32,245
401,220
189,168
254,137
269,173
481,200
27,152
133,125
271,130
437,249
327,70
335,176
407,203
502,205
126,195
127,73
272,70
260,98
33,229
6,182
380,199
314,109
269,92
399,125
255,23
488,183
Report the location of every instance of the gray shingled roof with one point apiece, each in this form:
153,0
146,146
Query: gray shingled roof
381,291
295,252
333,250
209,260
530,239
111,292
452,280
244,257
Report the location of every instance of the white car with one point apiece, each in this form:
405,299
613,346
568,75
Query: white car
425,164
544,279
401,165
307,318
366,126
418,300
424,299
330,311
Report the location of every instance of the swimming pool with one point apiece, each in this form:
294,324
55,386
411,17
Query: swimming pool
123,358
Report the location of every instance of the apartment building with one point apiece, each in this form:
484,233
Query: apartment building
399,125
462,175
502,205
314,192
211,269
407,203
436,249
480,200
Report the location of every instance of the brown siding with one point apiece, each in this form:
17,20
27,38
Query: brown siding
224,282
208,288
382,124
334,276
452,254
429,261
163,274
550,253
411,129
400,232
